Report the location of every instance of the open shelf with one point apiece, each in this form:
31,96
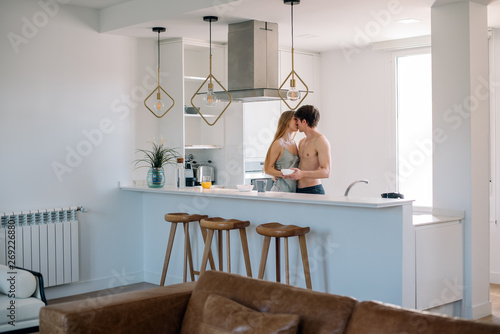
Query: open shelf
192,78
203,147
198,115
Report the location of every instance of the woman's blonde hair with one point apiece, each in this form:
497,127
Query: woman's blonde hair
280,131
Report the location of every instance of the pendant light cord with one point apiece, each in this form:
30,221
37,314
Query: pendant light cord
293,67
291,5
210,29
210,39
158,49
158,61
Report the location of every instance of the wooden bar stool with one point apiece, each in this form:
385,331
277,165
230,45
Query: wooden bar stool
185,219
277,230
221,224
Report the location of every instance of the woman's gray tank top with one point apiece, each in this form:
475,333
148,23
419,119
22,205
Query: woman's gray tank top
287,160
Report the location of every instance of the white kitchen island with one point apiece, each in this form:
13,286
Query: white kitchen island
359,247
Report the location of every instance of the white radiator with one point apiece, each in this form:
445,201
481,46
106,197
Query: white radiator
45,241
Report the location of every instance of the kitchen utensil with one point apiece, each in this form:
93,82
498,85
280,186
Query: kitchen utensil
190,181
204,170
392,195
261,185
244,187
190,110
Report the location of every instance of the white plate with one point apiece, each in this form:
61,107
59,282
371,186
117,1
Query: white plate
287,171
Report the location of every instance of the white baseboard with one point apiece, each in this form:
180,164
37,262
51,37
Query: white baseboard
451,310
155,278
479,311
117,280
494,278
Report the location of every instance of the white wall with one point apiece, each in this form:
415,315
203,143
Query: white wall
356,118
495,144
63,80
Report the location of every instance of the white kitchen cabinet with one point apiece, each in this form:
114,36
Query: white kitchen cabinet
260,120
439,263
307,67
198,134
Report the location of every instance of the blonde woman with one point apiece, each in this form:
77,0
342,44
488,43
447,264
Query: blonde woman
283,153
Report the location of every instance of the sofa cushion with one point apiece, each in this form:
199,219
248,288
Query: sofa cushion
377,318
319,312
23,282
222,315
22,309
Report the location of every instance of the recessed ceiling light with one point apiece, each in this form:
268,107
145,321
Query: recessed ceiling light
407,21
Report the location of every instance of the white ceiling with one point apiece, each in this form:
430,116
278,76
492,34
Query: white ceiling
319,25
97,4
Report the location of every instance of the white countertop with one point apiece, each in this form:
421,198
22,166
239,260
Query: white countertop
368,202
429,219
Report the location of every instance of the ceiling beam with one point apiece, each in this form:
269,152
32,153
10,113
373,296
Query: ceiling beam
140,11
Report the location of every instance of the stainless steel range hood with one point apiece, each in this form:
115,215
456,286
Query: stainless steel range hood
253,61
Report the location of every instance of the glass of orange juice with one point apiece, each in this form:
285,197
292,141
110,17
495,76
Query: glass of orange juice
206,182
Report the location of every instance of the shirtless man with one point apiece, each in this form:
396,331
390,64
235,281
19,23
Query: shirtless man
314,153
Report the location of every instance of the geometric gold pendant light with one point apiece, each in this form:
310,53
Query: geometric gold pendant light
293,93
210,99
158,105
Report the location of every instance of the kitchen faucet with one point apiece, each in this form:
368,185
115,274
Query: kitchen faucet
352,184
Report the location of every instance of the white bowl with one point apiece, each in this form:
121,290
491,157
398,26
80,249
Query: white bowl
244,187
287,171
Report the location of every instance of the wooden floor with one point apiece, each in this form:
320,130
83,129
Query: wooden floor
494,296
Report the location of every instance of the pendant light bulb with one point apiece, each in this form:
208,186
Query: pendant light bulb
210,100
159,105
293,93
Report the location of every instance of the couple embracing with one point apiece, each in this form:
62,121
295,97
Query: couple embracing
310,161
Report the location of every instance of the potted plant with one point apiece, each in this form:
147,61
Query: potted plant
155,159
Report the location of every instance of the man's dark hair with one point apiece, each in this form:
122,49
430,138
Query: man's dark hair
309,113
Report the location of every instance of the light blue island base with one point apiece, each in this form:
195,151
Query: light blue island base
359,247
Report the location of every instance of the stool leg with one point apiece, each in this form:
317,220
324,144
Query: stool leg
278,262
187,243
286,262
190,258
228,251
169,251
246,254
305,260
184,270
210,257
220,251
208,245
263,257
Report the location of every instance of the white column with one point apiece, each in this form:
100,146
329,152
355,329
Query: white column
461,136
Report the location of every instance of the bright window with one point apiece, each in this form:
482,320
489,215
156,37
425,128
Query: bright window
414,127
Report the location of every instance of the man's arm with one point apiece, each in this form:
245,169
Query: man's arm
323,172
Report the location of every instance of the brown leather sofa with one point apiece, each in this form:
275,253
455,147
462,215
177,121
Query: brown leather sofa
227,303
